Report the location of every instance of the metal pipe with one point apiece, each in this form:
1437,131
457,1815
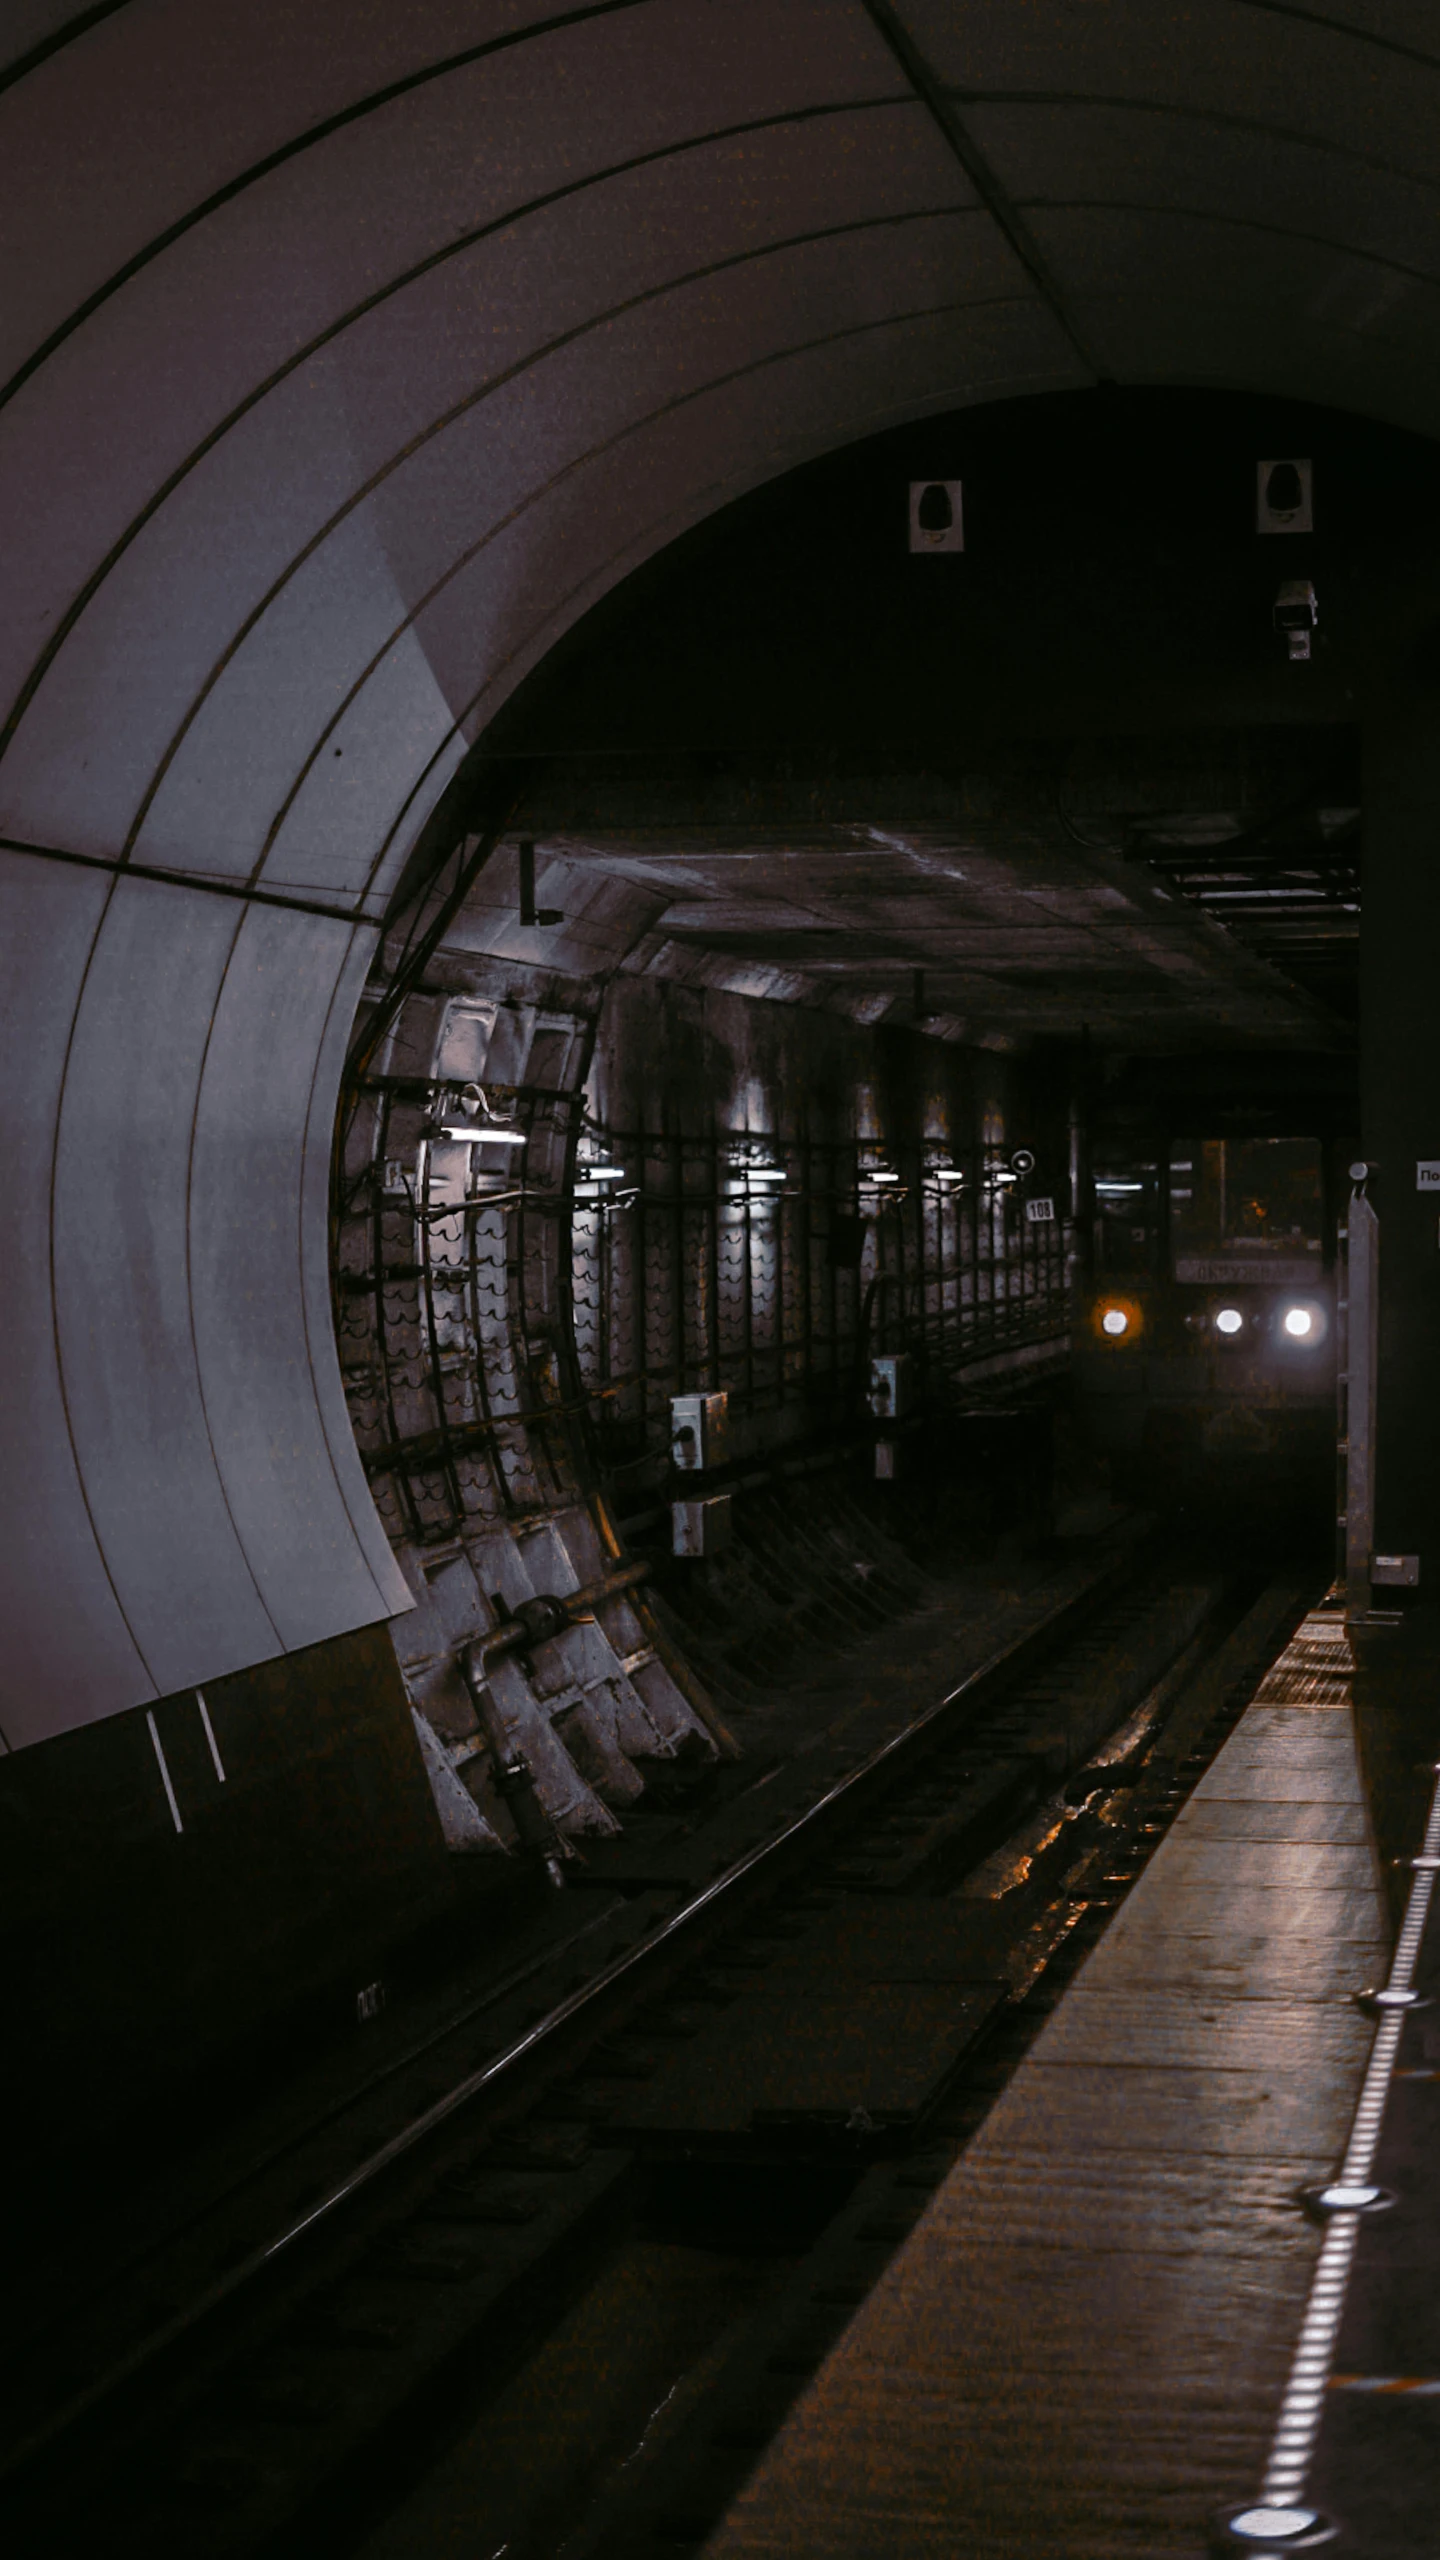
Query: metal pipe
1361,1367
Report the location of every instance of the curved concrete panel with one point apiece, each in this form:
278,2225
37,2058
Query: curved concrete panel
256,1325
122,1296
66,1643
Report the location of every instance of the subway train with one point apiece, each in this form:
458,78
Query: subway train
1205,1356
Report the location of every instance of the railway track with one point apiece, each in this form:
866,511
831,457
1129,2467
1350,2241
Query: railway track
811,2015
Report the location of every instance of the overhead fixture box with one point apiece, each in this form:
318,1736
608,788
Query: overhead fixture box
1296,614
892,1385
937,522
1284,497
699,1431
700,1528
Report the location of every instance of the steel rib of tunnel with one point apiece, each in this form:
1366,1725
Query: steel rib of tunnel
812,1826
1297,2428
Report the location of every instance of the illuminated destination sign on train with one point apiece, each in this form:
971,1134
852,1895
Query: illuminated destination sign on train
1213,1273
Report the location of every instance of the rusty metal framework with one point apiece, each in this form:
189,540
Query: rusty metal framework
452,1286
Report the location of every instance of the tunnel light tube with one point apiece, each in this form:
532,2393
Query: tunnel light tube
1114,1322
947,1173
1299,1322
1229,1321
765,1172
867,1178
471,1133
601,1172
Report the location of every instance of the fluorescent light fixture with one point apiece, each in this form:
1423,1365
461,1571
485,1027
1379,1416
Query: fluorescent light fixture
601,1172
946,1173
475,1133
764,1173
867,1178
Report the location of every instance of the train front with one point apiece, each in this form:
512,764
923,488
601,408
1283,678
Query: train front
1205,1352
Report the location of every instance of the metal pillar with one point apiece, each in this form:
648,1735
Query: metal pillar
1362,1344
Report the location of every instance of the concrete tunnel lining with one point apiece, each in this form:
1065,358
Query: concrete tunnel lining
283,543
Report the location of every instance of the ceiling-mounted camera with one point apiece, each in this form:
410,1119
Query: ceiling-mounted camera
1296,614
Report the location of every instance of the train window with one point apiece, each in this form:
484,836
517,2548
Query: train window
1126,1216
1245,1208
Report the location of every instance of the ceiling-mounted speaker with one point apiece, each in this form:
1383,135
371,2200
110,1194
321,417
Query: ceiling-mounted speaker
1284,497
936,520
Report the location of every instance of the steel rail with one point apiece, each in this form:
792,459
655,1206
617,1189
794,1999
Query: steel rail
260,2261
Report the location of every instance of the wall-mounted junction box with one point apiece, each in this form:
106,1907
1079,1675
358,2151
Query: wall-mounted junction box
699,1427
1401,1573
936,520
892,1387
1284,497
700,1528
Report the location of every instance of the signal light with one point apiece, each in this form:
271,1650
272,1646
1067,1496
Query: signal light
1299,1322
1229,1321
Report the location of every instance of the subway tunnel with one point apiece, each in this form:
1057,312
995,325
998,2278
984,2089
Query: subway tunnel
719,758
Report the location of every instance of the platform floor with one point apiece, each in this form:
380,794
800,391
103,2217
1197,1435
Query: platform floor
1080,2350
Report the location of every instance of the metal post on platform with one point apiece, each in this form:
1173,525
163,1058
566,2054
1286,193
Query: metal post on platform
1360,1374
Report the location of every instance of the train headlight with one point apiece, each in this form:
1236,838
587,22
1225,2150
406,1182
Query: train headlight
1114,1321
1304,1323
1229,1321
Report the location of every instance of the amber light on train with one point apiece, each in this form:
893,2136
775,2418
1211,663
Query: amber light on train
1118,1319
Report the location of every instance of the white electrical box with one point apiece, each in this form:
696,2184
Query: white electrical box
936,520
699,1431
1284,497
700,1528
892,1389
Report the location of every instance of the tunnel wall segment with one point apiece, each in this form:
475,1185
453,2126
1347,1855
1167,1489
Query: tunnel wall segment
171,1384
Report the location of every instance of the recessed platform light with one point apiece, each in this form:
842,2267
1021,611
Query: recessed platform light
1264,2527
1343,2195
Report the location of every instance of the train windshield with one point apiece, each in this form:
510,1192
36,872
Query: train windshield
1246,1209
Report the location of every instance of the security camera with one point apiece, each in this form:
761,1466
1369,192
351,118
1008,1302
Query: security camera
1296,614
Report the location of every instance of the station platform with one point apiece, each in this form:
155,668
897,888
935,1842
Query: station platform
1086,2347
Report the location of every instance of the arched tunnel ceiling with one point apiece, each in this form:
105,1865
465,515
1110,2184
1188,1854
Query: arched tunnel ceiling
350,352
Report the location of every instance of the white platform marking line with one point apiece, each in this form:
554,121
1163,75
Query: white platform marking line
1298,2424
